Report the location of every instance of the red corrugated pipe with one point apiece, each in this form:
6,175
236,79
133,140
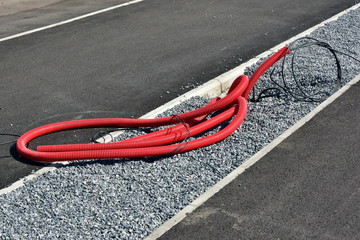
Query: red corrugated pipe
163,142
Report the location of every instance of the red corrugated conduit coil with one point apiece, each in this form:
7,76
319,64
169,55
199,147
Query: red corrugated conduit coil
163,142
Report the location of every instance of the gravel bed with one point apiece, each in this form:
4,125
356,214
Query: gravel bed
129,199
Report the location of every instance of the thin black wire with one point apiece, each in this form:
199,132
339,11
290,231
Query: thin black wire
320,44
8,142
101,134
268,92
301,95
183,143
11,141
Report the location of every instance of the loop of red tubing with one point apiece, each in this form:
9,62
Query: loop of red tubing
157,143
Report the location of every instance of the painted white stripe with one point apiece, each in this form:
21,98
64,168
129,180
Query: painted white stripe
210,89
231,176
69,20
225,81
216,86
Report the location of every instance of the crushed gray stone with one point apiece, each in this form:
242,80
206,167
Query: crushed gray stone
128,199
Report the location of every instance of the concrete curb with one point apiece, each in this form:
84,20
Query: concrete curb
210,89
216,86
231,176
219,84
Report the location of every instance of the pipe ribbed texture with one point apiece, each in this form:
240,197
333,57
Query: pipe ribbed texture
164,142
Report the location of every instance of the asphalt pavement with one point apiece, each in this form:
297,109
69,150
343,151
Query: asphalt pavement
128,61
305,188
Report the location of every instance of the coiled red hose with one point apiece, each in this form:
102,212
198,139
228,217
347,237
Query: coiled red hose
162,142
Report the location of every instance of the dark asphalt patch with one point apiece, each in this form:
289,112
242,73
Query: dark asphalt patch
122,63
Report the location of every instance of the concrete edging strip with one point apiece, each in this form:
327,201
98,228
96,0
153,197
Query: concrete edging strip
210,89
231,176
225,81
217,85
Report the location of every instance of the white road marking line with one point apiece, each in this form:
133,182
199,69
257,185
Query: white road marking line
224,82
210,89
69,20
231,176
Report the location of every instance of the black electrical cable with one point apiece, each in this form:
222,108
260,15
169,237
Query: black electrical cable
183,143
11,141
101,134
300,93
8,142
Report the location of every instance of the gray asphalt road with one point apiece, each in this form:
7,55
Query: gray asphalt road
19,16
305,188
122,63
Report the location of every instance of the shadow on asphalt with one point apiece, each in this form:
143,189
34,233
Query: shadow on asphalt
13,152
